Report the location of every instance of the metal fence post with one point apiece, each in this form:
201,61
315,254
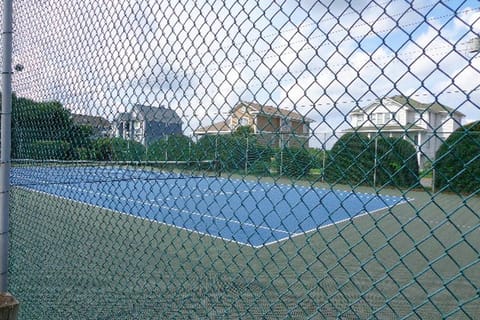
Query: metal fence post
5,140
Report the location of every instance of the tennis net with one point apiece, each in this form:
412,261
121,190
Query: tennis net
27,172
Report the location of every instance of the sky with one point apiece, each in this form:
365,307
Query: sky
201,58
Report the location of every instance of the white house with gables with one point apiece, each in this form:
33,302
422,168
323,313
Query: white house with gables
425,125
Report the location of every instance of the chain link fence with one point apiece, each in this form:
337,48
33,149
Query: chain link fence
244,159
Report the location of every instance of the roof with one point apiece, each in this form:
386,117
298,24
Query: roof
150,113
387,128
124,116
214,128
161,113
434,106
409,102
94,121
273,111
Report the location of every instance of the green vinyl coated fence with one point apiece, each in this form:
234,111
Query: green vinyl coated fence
245,159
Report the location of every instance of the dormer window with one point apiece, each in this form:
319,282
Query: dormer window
381,118
360,120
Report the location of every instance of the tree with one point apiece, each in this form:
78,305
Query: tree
295,162
356,159
38,126
457,165
117,149
234,152
243,131
171,148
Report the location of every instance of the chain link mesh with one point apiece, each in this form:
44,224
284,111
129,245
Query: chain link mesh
245,159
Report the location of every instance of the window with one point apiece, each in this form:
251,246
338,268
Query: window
285,125
359,120
243,121
381,118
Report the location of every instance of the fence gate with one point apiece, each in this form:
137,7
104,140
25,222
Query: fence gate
245,159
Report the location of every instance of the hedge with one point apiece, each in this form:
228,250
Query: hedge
356,159
117,149
48,150
294,162
232,151
171,148
457,165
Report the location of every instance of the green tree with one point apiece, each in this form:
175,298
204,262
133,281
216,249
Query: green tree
37,126
117,149
234,152
294,162
171,148
457,165
356,159
350,160
243,131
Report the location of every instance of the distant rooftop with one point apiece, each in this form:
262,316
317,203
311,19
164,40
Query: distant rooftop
94,121
409,102
273,111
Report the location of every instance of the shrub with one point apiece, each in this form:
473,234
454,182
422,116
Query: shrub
396,162
294,162
171,148
232,151
356,159
259,167
457,165
350,160
117,149
48,150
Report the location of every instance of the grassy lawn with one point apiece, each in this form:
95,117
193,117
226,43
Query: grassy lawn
73,261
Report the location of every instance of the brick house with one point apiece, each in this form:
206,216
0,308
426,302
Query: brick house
272,126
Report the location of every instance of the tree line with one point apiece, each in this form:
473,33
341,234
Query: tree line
45,130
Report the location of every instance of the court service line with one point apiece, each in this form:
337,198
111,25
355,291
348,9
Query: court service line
152,204
318,228
138,217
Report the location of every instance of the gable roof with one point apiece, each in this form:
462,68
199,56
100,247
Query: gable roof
214,128
272,111
434,106
88,120
161,113
414,104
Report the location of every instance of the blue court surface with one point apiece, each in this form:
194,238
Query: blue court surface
245,212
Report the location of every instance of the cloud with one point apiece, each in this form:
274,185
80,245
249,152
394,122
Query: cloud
201,57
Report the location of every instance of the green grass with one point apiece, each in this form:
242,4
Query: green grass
73,261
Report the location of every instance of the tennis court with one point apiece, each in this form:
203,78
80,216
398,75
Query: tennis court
249,213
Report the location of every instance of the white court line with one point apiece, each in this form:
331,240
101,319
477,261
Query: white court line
213,193
294,235
279,186
136,217
154,204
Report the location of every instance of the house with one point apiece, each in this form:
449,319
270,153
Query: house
100,126
425,125
272,126
147,124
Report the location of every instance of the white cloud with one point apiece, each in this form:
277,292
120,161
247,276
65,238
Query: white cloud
201,57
